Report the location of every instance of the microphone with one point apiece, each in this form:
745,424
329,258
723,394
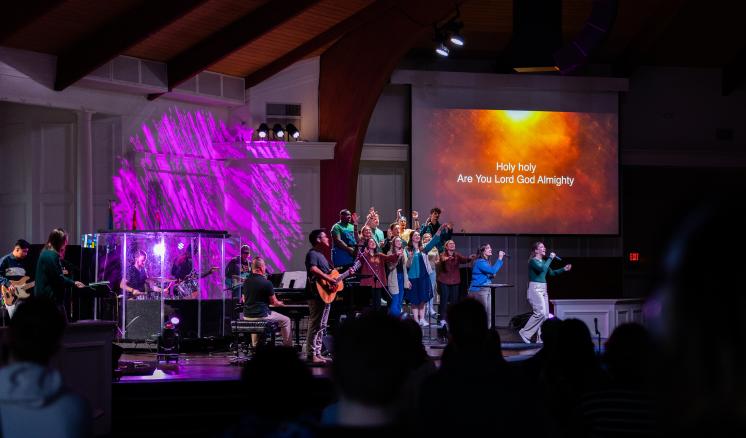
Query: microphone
558,258
595,325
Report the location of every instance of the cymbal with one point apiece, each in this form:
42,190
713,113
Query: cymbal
161,279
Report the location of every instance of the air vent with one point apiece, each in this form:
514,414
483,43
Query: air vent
227,89
128,74
125,73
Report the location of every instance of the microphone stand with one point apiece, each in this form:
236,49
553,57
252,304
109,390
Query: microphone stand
375,274
598,334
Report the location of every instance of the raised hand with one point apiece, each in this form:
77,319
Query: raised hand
415,216
355,218
567,267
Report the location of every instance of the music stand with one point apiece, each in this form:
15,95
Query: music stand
100,289
493,290
294,280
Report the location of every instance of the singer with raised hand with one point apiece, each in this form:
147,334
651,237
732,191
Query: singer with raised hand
481,275
538,269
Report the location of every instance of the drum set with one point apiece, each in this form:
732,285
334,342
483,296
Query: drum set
171,288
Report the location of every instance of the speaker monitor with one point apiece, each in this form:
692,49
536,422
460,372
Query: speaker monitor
143,320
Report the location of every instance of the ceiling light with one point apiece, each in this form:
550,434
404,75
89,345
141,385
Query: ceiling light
441,49
456,39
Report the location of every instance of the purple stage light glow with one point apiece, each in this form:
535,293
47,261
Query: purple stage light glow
159,249
175,320
188,170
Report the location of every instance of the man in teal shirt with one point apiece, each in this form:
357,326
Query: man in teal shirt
343,233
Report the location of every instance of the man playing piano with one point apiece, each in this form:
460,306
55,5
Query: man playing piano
258,295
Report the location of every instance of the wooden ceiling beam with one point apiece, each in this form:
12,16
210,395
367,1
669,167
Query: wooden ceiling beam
352,75
115,37
663,13
227,40
17,15
364,15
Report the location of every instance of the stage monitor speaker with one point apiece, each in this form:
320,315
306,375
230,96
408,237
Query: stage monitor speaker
143,320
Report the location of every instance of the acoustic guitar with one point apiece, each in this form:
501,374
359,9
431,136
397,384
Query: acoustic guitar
21,291
328,290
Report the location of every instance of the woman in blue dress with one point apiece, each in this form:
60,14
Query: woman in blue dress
418,272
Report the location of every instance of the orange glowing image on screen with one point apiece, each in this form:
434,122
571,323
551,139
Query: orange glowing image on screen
577,146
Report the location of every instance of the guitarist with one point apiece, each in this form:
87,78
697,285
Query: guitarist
13,268
318,268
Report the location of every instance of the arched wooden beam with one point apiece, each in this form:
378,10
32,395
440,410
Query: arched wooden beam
352,75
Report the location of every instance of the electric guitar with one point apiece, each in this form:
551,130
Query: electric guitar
21,287
328,290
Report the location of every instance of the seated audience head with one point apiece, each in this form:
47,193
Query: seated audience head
628,354
35,332
271,379
467,323
550,332
373,357
700,322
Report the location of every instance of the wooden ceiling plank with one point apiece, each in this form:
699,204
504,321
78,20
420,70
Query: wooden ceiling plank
664,12
17,15
117,36
368,13
227,40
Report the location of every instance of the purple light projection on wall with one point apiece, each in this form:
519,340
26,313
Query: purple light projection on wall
190,171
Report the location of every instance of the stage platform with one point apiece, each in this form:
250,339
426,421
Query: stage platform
200,395
223,365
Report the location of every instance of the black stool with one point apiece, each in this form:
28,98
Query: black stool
243,329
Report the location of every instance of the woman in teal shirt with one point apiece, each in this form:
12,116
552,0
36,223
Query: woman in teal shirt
538,269
418,272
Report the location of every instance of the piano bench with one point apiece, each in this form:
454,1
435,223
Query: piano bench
243,330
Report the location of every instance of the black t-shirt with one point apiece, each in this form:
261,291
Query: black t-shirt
315,258
256,292
136,278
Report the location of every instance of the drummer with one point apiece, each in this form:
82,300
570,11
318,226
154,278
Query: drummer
135,284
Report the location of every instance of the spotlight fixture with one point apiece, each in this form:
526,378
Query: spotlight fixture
448,35
292,131
454,30
263,130
279,132
442,50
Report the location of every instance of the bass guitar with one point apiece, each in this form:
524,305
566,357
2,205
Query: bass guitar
328,290
20,290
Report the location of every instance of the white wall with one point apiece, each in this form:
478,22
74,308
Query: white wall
297,84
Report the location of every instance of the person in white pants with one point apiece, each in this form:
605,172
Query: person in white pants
538,268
